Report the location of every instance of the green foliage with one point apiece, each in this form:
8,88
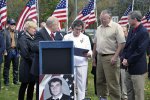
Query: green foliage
46,8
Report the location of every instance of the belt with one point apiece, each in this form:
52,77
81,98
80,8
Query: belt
106,54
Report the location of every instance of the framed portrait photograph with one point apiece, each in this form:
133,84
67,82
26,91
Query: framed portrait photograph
56,87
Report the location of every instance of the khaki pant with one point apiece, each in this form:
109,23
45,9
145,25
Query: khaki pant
123,84
135,86
108,78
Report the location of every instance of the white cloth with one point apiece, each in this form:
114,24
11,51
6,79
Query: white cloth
82,41
80,63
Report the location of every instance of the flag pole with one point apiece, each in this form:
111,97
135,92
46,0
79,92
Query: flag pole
67,14
38,22
132,5
76,1
95,7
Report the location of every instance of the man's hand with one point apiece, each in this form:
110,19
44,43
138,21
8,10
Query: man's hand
125,62
113,60
87,55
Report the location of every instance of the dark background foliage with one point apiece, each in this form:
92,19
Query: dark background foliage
46,7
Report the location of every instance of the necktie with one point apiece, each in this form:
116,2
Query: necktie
52,36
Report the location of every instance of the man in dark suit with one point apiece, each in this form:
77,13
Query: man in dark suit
47,33
134,57
55,87
2,47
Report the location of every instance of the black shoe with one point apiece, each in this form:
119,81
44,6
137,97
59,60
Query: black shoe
16,83
6,84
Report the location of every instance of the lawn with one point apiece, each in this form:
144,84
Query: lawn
91,87
11,92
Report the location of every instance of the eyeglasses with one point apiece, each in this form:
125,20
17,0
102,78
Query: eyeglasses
13,24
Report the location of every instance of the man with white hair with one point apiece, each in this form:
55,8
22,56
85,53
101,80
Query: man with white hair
47,33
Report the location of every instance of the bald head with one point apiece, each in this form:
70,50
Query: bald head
52,23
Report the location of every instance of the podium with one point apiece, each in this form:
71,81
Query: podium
56,61
56,57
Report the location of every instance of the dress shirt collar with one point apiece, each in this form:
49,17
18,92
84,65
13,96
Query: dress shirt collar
134,30
49,32
59,97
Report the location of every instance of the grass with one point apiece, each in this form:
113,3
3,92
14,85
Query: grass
91,86
11,92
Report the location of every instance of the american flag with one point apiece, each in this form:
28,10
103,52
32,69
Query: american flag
3,14
124,19
87,14
61,11
45,78
29,12
146,21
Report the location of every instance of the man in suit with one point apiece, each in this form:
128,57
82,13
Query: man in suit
134,57
2,47
47,33
55,87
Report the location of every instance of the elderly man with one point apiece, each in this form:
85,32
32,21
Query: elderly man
108,42
47,33
134,56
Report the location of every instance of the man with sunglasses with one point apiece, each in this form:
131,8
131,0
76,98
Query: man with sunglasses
11,52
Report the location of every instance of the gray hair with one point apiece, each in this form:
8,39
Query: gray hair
106,11
136,14
30,24
51,20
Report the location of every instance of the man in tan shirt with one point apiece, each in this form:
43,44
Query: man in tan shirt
108,42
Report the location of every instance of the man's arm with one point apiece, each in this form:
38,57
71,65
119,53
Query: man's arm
120,47
2,46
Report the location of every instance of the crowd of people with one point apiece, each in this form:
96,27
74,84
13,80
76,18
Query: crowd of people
118,57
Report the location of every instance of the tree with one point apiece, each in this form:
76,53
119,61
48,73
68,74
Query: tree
46,7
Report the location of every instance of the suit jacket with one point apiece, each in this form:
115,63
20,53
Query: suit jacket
2,47
135,50
41,35
64,97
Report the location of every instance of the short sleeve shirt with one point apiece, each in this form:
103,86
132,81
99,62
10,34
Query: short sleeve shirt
107,38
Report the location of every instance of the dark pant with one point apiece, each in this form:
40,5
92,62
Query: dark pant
37,88
11,56
30,89
149,68
0,76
